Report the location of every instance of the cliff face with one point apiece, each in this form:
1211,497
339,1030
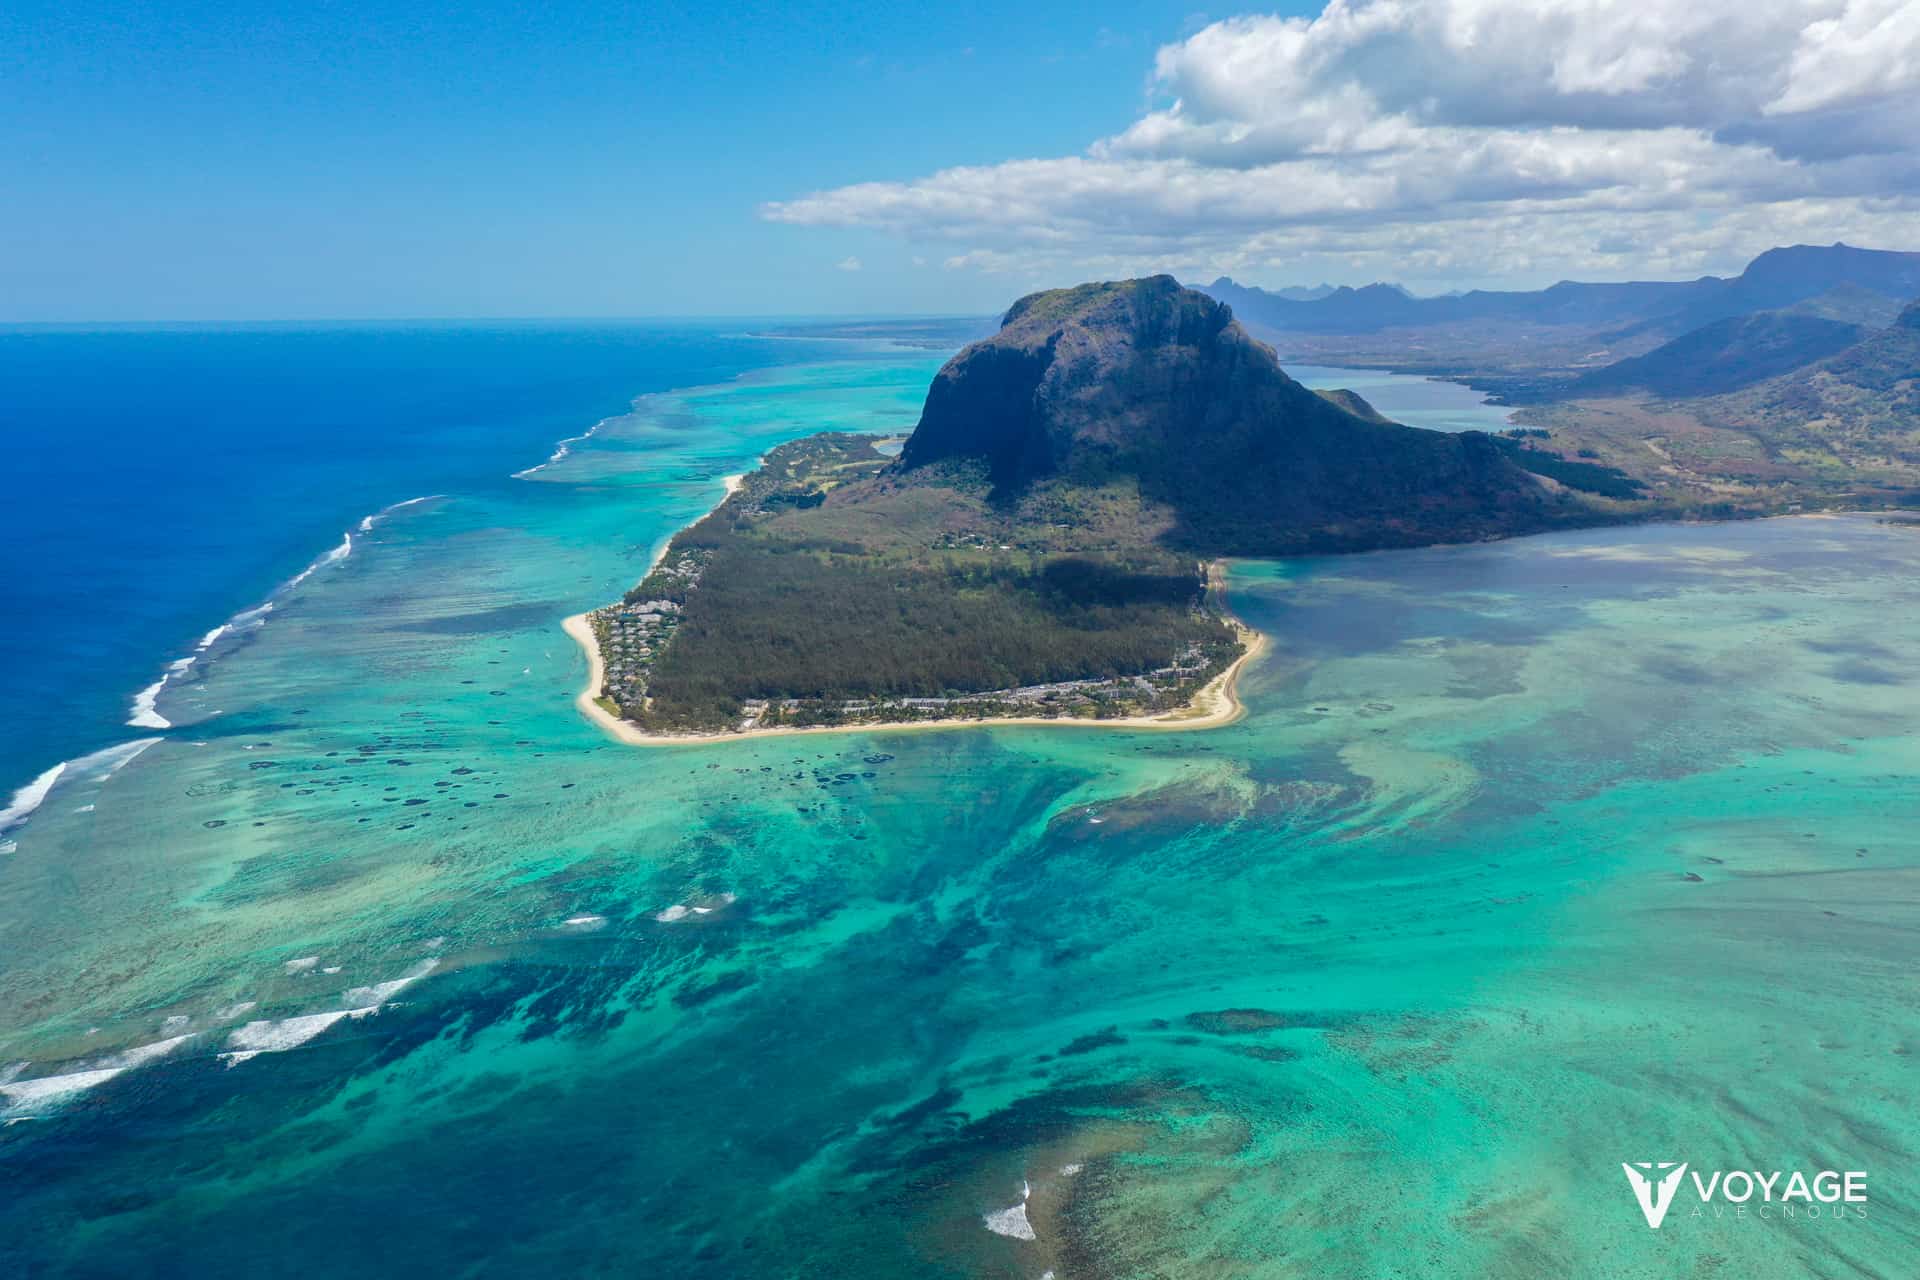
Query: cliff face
1149,380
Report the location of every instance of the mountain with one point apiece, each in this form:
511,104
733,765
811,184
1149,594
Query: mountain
1290,293
1381,306
1304,293
1862,403
1342,310
1158,384
1781,278
1841,431
1723,356
1776,279
1353,402
1039,544
1852,304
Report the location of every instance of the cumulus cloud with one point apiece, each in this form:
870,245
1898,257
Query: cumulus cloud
1867,53
1563,134
848,264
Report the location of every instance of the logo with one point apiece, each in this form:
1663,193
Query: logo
1828,1194
1654,1189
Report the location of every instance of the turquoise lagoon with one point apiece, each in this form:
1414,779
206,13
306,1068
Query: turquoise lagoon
1528,858
1433,403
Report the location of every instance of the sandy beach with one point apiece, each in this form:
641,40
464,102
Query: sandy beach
1216,704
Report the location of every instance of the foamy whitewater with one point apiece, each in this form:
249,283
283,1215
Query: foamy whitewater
1439,901
146,714
95,768
277,1036
1012,1221
562,450
146,711
367,522
29,798
26,1096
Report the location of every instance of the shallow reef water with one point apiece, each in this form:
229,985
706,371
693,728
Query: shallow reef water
1527,859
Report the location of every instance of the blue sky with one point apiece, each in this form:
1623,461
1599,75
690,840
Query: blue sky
362,159
216,161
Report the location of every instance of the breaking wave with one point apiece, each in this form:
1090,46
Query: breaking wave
367,522
97,767
145,713
564,448
269,1035
27,1095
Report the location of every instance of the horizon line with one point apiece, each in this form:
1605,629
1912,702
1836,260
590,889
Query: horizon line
742,317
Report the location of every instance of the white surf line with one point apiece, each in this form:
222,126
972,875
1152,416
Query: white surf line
29,798
95,767
21,1095
145,712
278,1035
367,522
565,447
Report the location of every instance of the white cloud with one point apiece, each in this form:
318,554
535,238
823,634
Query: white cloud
848,264
1552,136
1869,51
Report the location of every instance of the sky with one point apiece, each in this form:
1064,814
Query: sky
414,158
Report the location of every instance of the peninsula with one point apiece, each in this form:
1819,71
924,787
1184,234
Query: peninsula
1047,544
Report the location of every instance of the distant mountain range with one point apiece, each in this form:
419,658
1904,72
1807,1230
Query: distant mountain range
1776,279
1299,292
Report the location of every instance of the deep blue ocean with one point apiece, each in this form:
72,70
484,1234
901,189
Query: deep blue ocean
161,479
385,960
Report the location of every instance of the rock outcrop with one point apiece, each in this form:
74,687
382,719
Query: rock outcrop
1155,383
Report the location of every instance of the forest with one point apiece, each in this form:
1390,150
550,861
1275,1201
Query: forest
773,600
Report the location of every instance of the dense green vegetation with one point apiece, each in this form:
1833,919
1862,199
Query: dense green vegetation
1724,356
1041,544
771,620
817,590
1589,477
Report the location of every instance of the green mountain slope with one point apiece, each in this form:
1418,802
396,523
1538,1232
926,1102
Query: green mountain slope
1862,404
1039,545
1353,402
1723,356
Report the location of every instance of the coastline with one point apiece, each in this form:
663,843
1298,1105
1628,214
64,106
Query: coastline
1214,705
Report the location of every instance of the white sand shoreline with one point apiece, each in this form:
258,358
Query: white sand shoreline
1215,704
